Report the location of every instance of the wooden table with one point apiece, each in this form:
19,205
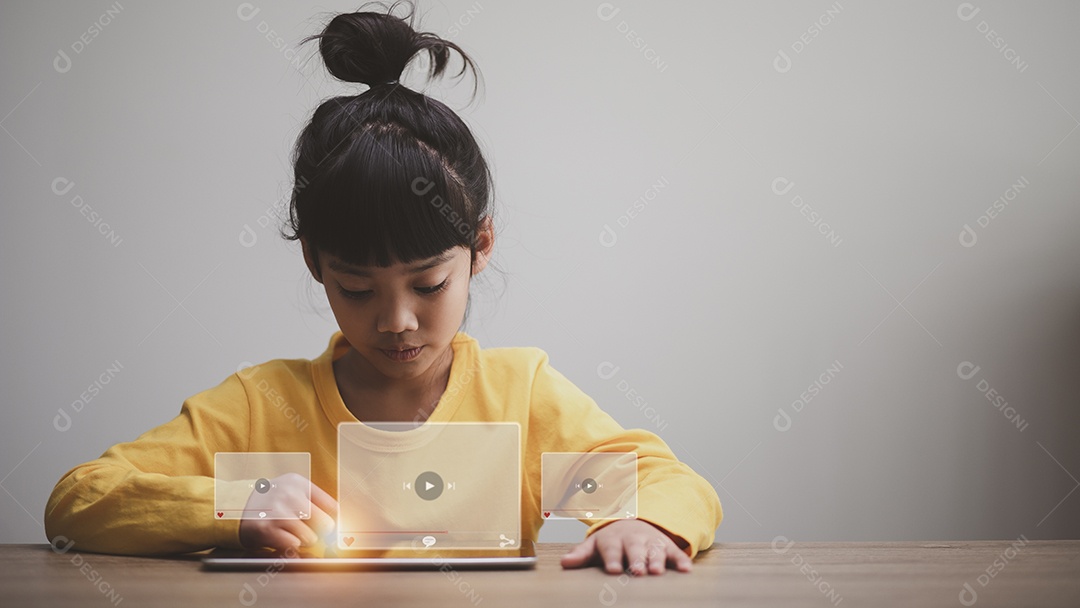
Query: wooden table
1028,573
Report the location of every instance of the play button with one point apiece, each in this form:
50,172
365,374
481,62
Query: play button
588,485
262,486
429,485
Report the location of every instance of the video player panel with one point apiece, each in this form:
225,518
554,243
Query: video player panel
444,485
262,485
588,485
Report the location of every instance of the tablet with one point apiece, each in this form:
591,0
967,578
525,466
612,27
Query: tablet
520,559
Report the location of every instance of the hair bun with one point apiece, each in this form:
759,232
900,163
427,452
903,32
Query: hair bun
374,48
369,48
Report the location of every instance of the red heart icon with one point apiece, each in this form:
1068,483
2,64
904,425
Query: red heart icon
547,514
220,514
348,540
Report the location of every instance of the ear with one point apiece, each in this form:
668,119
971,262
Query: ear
485,244
311,258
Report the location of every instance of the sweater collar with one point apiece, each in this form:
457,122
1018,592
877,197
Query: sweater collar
463,370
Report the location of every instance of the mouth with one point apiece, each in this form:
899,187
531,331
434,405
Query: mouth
402,355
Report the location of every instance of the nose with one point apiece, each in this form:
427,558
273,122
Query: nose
396,316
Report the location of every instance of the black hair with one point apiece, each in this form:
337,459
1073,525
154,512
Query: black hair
389,175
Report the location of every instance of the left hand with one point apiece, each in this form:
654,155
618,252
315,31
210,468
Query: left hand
647,549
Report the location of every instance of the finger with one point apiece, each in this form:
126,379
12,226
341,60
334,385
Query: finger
637,557
320,522
659,552
581,554
278,539
682,561
299,529
321,500
611,555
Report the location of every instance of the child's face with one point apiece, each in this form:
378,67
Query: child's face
401,318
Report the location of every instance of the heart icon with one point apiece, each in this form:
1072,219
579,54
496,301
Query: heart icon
547,514
220,514
348,540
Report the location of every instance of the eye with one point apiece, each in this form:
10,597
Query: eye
434,288
355,295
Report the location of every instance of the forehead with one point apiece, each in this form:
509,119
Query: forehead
338,265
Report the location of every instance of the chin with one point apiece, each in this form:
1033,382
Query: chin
393,369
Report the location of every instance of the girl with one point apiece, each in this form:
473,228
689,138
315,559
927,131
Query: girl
392,207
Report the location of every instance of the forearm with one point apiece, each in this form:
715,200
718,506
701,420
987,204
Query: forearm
111,509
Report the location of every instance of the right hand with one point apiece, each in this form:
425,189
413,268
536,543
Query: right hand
289,495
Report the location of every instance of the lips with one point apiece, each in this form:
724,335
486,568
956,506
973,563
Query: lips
403,353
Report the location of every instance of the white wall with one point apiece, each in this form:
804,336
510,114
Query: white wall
720,301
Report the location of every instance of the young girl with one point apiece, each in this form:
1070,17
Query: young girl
391,205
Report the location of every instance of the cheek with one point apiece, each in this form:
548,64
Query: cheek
343,312
453,305
347,312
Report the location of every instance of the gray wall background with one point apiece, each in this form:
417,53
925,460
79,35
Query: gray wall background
728,203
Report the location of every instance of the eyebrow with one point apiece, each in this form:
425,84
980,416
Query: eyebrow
360,271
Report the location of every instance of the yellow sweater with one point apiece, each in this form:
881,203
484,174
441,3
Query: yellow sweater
155,495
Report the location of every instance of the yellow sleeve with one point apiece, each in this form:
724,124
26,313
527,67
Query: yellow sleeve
155,495
670,494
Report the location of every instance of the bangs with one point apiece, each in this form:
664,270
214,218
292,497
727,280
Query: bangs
386,197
